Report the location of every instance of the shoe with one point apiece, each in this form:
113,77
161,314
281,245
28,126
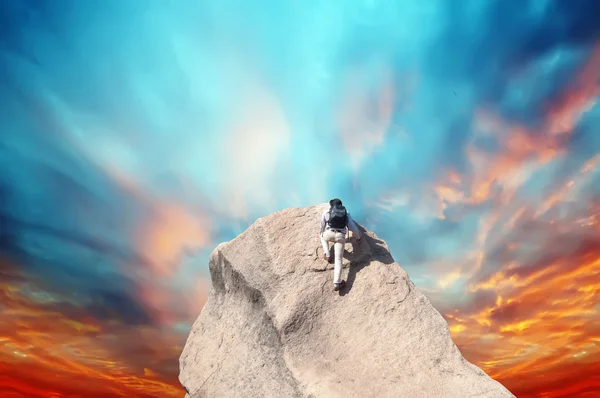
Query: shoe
339,286
326,258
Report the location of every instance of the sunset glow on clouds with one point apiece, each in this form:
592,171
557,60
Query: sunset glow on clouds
51,347
137,137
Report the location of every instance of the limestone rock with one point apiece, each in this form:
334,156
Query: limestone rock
274,327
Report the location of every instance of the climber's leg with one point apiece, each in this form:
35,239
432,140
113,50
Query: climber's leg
326,237
340,241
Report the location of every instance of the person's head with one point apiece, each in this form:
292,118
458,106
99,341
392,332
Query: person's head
335,202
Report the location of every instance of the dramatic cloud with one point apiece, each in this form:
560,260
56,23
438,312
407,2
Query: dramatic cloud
136,137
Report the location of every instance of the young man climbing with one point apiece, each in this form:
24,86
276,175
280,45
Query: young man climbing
334,226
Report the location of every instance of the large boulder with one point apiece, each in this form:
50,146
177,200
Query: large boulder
273,326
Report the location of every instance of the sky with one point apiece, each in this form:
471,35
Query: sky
136,136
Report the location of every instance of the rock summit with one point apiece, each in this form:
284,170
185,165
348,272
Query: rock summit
273,326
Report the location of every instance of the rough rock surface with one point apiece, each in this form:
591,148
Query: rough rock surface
274,327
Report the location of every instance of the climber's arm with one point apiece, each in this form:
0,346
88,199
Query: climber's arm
353,227
323,223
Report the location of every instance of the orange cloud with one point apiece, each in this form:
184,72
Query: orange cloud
56,350
167,233
522,150
169,305
544,323
497,176
163,233
579,97
540,336
562,117
448,279
166,230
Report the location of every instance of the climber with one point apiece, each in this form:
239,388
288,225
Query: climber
334,223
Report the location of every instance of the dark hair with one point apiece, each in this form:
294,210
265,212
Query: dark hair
335,202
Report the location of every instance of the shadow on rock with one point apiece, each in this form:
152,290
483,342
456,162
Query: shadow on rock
354,269
368,249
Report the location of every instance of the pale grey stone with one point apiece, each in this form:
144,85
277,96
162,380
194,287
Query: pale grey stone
274,327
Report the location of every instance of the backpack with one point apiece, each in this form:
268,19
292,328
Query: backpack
338,217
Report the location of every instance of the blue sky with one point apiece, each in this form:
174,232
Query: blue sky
138,135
